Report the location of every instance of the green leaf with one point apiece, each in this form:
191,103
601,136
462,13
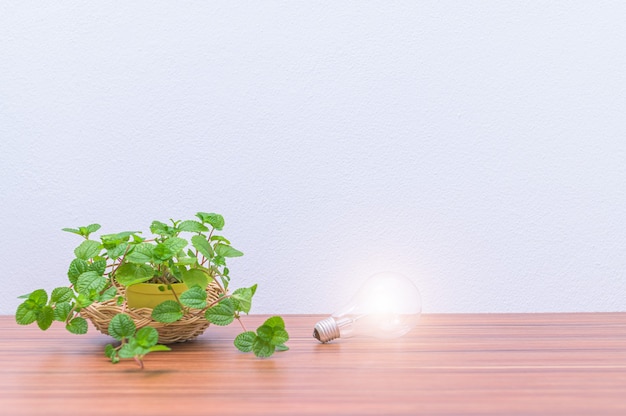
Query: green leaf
61,294
83,300
77,267
186,261
219,238
45,316
111,353
244,341
108,294
227,251
167,312
221,314
215,220
92,228
90,281
262,348
77,326
132,349
275,322
122,326
203,246
197,277
175,244
98,266
117,251
195,297
39,297
279,336
141,253
265,332
243,298
147,337
192,226
25,314
282,347
162,253
118,237
62,311
88,249
160,348
130,273
162,229
71,230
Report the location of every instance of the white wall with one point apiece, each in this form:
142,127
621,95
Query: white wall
477,146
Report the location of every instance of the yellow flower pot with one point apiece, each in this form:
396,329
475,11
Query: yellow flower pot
149,295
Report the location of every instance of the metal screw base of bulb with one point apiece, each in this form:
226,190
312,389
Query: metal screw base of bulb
326,330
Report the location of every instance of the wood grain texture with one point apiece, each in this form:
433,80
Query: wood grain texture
501,364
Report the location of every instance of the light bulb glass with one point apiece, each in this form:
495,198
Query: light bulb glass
388,305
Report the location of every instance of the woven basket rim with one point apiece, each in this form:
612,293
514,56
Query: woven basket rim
192,324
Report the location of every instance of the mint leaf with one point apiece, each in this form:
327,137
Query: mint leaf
132,349
186,260
219,238
265,332
108,294
88,249
244,341
90,281
275,322
167,312
160,347
61,311
147,337
25,314
116,251
71,230
77,267
243,298
162,253
203,246
279,337
221,314
227,251
141,253
61,294
262,349
162,229
198,277
122,326
77,326
111,353
45,316
83,300
92,228
39,297
192,226
282,347
130,273
194,297
215,220
175,244
98,266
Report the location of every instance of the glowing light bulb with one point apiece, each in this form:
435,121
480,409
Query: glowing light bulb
388,305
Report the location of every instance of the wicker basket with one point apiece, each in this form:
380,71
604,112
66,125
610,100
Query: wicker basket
188,327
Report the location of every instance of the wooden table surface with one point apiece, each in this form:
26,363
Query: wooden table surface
478,364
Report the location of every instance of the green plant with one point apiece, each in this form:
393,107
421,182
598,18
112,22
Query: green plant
126,258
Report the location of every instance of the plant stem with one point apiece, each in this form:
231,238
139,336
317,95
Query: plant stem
165,282
242,325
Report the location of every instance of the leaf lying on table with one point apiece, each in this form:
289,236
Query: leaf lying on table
268,338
